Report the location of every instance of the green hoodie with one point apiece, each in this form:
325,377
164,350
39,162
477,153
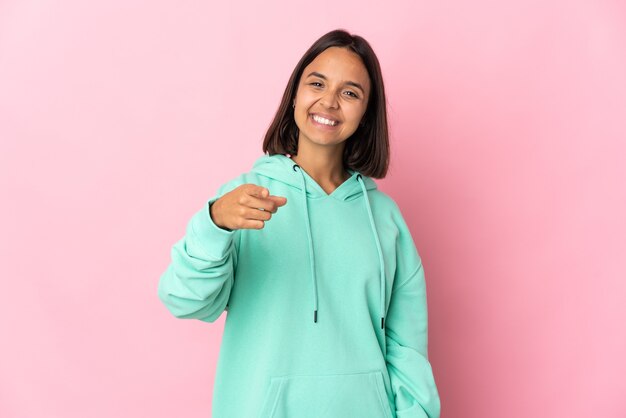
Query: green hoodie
327,314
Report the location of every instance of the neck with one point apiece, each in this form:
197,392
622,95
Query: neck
326,168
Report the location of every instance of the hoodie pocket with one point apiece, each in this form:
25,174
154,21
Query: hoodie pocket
327,396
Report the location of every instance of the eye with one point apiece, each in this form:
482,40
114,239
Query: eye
314,83
353,94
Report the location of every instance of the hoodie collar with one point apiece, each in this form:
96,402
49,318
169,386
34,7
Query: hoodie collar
281,168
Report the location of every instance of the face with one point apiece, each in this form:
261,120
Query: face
332,97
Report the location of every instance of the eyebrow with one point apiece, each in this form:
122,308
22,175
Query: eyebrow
350,83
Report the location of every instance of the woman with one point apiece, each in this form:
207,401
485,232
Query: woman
321,279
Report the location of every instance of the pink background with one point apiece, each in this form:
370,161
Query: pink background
119,119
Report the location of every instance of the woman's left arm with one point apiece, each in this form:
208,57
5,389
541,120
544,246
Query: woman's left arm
406,329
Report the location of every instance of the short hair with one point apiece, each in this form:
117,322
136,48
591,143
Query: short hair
367,149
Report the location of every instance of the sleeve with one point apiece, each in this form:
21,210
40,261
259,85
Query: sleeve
197,282
410,372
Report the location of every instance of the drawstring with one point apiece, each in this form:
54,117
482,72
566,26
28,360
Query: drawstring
308,230
311,255
380,252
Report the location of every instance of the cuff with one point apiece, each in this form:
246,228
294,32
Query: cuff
214,240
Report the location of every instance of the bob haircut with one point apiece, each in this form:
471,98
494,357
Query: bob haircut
367,149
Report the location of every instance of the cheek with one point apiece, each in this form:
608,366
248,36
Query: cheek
305,98
304,102
355,114
301,115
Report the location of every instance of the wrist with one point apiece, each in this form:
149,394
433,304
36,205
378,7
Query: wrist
215,221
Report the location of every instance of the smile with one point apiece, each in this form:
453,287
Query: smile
324,121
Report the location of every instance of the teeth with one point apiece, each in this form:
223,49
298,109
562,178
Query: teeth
324,120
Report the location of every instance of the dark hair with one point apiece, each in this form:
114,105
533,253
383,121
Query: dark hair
367,149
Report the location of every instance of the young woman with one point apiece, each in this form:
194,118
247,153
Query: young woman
323,285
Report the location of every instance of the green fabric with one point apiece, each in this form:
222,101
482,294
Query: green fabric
347,256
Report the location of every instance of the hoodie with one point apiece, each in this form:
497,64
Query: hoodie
326,304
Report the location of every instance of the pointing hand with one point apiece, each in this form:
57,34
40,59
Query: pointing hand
247,206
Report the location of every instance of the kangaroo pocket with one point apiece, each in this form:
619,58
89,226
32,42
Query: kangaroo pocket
327,396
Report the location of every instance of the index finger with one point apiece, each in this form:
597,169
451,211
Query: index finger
257,191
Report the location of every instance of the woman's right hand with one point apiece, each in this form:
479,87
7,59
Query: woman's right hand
246,207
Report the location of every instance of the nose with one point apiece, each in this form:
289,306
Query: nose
329,100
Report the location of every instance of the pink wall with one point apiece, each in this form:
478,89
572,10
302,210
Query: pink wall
118,119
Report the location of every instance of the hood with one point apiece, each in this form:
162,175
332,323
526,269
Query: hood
282,168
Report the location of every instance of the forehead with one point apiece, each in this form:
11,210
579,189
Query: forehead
339,64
